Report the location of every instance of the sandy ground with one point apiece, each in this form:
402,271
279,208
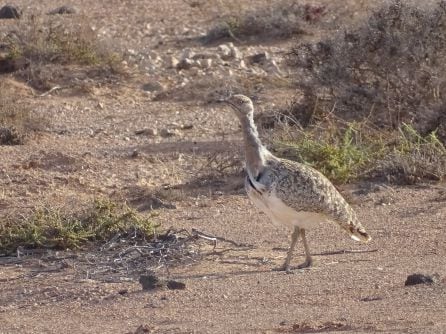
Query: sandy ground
88,151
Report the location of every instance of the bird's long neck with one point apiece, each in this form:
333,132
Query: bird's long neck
255,152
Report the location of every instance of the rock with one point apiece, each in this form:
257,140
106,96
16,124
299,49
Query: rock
420,279
172,62
259,58
242,65
10,12
186,126
146,132
187,54
150,282
175,285
185,64
235,52
132,52
205,63
224,51
167,133
63,10
153,86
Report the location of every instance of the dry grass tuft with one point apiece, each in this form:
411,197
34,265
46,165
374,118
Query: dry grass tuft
279,21
414,158
60,51
346,152
52,228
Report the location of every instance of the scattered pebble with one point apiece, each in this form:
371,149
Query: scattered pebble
150,282
10,12
167,133
66,9
421,279
175,285
146,132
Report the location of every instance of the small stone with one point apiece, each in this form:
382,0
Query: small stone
175,285
172,62
132,52
146,132
187,54
224,51
152,86
185,64
205,63
167,133
63,10
420,279
186,126
259,58
242,65
10,12
235,52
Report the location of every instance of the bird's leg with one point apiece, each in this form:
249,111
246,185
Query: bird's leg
286,264
308,261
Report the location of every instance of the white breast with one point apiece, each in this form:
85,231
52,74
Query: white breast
282,214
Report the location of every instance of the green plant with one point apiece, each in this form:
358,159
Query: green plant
53,228
340,155
351,151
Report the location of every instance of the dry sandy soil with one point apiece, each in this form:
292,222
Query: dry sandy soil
87,150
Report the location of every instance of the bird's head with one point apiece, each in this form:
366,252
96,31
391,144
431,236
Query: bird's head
241,104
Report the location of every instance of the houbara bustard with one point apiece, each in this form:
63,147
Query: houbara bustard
290,193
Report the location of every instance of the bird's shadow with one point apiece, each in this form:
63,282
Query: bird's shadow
295,269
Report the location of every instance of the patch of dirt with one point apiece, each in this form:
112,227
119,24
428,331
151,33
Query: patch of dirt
186,172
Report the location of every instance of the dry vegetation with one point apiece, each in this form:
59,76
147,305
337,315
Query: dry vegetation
372,98
64,52
279,21
368,106
50,227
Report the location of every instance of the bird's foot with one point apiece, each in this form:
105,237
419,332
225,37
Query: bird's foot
285,267
307,264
